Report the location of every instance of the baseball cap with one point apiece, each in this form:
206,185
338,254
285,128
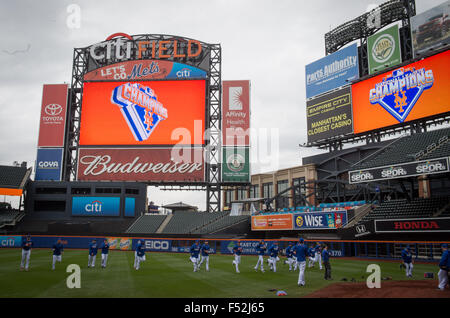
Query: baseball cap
445,245
301,240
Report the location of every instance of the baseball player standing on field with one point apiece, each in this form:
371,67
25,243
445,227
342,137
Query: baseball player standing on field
140,255
318,257
273,252
290,255
27,243
407,260
205,249
311,256
261,250
444,265
195,251
237,251
326,262
301,252
105,252
58,249
136,258
93,247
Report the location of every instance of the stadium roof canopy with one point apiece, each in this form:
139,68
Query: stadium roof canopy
180,206
13,180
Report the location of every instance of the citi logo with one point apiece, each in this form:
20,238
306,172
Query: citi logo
183,73
94,206
8,242
53,109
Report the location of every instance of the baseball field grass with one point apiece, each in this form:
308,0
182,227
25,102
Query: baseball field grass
167,275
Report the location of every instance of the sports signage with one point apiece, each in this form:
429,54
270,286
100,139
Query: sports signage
10,241
383,49
53,115
272,222
236,113
402,170
321,220
137,164
423,225
430,29
329,115
236,164
143,113
96,206
408,93
332,71
130,204
49,164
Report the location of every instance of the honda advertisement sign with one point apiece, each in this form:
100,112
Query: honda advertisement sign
405,170
413,225
49,164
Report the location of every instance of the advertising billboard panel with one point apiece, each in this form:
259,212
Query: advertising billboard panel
411,92
422,225
96,206
137,164
431,29
49,164
329,115
143,113
332,71
53,115
321,220
383,49
236,164
272,222
236,113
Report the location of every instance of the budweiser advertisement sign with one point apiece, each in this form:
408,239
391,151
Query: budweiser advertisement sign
236,113
53,115
413,225
141,165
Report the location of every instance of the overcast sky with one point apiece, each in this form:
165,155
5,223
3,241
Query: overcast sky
266,42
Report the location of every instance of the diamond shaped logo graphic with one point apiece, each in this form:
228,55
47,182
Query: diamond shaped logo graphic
140,108
399,91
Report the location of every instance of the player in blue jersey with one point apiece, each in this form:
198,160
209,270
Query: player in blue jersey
205,250
301,253
136,258
140,255
237,251
311,256
261,250
318,255
27,244
444,266
195,251
273,252
326,262
407,260
290,255
105,252
93,247
58,250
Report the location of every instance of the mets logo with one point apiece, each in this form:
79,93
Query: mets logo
399,91
299,221
140,108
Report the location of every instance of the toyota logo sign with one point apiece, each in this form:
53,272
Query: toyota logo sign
53,109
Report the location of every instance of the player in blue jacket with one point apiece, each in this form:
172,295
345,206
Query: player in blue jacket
27,244
407,260
273,252
318,254
105,252
205,250
93,247
140,255
311,256
301,253
261,250
237,251
58,250
444,266
290,255
195,251
326,262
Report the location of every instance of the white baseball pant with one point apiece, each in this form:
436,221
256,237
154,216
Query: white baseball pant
301,274
25,259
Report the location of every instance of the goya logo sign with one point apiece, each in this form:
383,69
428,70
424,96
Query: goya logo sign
96,206
48,164
399,91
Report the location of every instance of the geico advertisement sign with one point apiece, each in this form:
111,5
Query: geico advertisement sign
10,241
96,206
157,245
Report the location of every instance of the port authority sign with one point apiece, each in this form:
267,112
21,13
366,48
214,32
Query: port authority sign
403,170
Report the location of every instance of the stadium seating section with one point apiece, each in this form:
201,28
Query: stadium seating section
147,224
12,177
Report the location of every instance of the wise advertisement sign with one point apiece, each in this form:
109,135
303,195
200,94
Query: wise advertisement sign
272,222
329,115
323,220
136,164
384,49
404,170
236,113
430,29
96,206
145,70
49,164
143,113
408,93
236,164
332,71
53,115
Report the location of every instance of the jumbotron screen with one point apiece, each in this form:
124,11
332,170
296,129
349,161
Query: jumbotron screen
169,112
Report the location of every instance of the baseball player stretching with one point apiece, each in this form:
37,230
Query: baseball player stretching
205,249
58,249
261,249
290,255
26,251
301,252
273,252
407,260
93,247
105,252
444,265
195,251
237,251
